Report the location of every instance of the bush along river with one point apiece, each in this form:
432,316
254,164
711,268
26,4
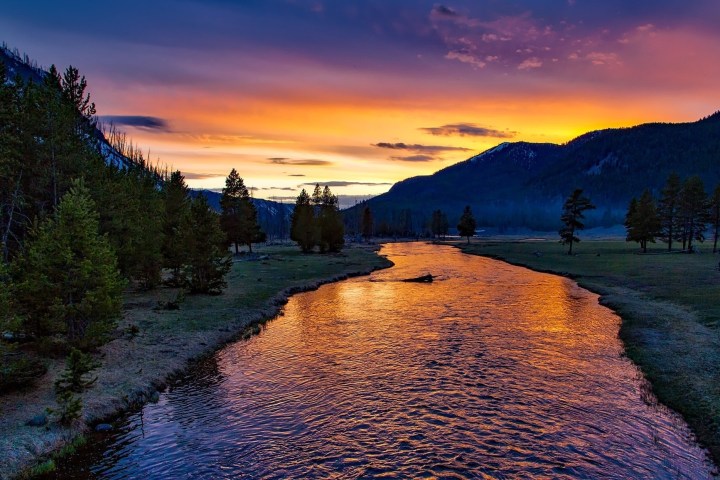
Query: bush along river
491,370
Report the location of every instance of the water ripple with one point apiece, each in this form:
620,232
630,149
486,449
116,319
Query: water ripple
492,372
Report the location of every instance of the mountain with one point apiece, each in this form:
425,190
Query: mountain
273,217
522,185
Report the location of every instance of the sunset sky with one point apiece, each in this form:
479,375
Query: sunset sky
361,94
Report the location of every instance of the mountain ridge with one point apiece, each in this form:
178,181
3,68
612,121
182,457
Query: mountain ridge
523,184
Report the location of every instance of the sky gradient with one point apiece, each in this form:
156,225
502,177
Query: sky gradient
361,94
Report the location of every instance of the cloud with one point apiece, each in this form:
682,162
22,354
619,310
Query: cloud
444,10
200,175
285,189
468,130
530,63
310,162
342,183
424,149
415,158
138,121
296,175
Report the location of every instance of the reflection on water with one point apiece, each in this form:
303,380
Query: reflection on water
492,370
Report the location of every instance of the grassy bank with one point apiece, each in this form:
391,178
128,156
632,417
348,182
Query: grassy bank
670,306
153,345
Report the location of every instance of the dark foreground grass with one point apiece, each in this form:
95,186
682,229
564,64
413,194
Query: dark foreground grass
670,307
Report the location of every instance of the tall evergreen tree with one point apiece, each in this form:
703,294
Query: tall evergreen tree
715,216
467,225
68,278
367,223
302,226
204,243
177,207
330,223
239,216
573,211
642,221
668,209
439,225
694,211
132,212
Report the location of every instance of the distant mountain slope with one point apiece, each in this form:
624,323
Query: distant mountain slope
273,217
522,185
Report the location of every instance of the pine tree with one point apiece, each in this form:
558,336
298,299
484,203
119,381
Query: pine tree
715,216
573,209
466,226
330,223
694,211
367,223
239,217
69,281
204,243
668,209
177,207
439,224
72,381
302,227
642,221
132,212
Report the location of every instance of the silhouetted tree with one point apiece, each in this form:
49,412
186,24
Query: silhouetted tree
367,223
466,226
330,223
302,225
715,216
694,211
668,209
642,221
239,216
573,209
439,225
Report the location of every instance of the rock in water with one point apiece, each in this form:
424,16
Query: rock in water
103,427
421,279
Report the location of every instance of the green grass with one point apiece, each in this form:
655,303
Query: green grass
251,284
670,306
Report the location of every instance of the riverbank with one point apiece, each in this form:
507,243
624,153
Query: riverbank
670,309
154,346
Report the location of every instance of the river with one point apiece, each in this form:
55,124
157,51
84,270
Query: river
491,371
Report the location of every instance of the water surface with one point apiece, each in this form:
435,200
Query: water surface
490,371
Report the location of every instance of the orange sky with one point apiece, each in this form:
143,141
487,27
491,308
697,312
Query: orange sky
305,91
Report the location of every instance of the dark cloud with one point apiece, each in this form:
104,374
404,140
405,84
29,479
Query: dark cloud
415,158
310,162
342,183
200,175
427,149
296,175
468,130
137,121
444,10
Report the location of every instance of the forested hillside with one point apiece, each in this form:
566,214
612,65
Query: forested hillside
522,185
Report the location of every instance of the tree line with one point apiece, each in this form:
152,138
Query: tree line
682,214
76,230
316,221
